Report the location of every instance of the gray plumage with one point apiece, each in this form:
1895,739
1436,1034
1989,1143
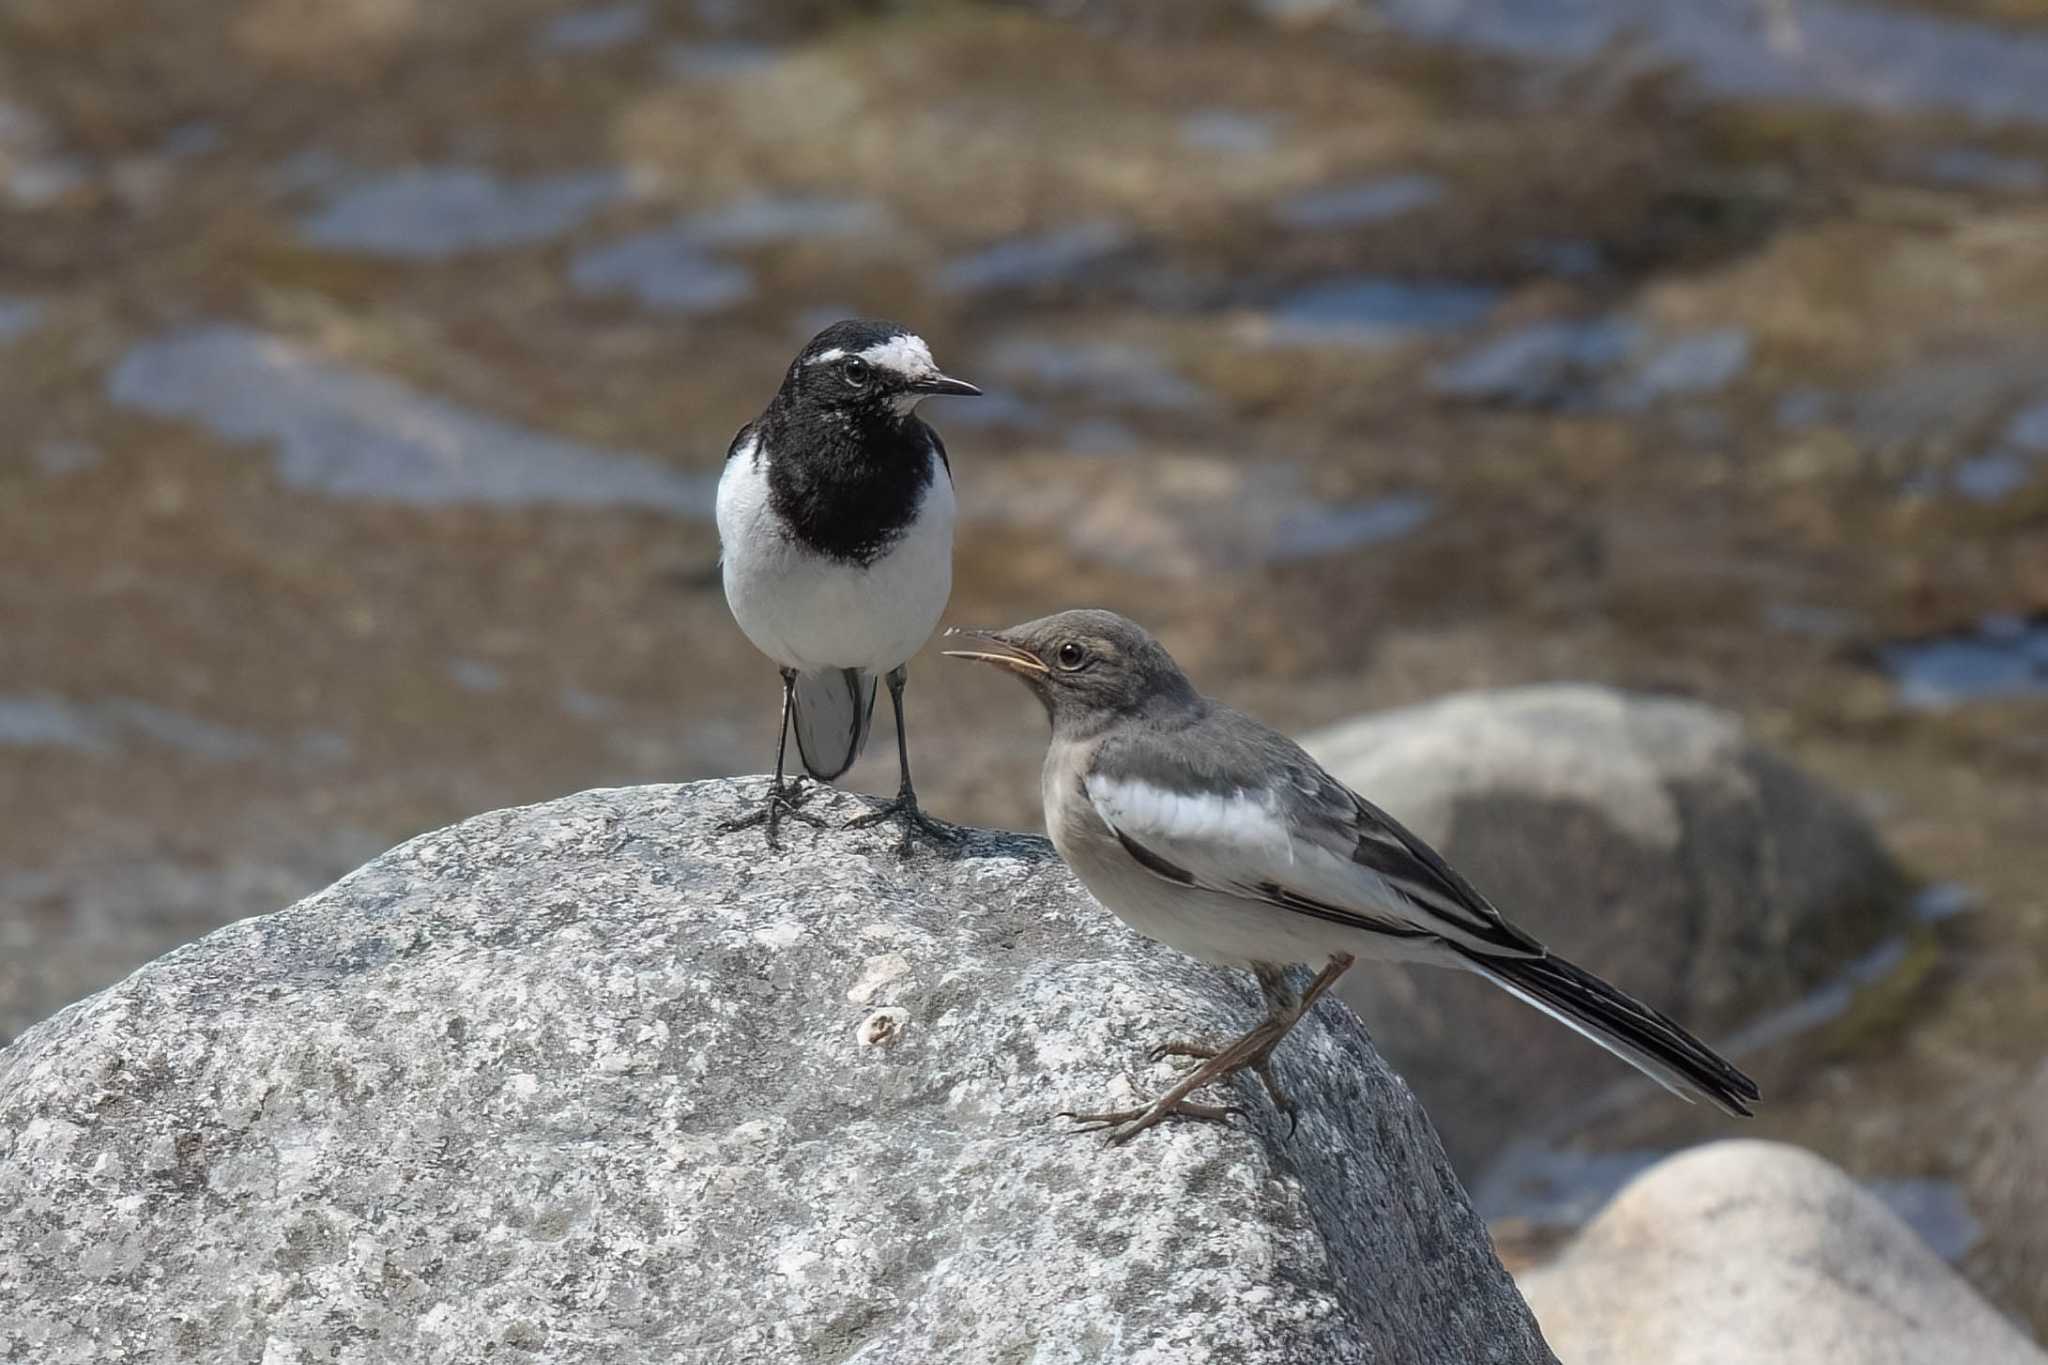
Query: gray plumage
832,712
1204,829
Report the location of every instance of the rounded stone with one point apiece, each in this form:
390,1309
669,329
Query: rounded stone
1646,839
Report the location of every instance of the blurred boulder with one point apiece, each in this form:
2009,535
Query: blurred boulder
1742,1252
585,1082
2007,1186
1644,838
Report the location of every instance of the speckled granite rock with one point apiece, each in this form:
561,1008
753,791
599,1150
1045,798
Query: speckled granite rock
1646,838
1748,1253
577,1082
2007,1182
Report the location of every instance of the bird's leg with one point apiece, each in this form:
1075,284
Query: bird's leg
1281,1003
904,806
783,798
1252,1051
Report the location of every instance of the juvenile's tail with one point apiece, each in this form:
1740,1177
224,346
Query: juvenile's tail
1625,1026
832,712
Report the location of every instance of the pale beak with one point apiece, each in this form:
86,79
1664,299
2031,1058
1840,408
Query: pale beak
943,386
1013,657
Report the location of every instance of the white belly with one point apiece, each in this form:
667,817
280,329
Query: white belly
808,612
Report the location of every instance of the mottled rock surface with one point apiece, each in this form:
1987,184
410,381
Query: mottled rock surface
1645,838
1742,1252
2007,1182
578,1082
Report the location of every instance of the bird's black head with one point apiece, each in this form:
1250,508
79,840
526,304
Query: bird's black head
866,372
1088,667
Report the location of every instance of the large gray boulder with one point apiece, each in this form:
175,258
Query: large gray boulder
583,1082
1756,1253
2007,1183
1646,839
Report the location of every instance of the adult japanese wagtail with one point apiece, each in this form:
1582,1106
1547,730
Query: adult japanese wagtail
835,528
1205,830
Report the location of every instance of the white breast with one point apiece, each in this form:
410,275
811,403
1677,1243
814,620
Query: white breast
808,612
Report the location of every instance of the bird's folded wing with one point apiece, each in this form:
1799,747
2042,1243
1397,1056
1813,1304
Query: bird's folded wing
1294,837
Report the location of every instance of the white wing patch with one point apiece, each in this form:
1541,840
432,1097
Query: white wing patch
1244,822
1239,843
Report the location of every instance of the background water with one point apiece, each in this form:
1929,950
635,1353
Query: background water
367,369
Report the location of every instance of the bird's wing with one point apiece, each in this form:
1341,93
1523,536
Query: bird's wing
939,447
741,439
1234,808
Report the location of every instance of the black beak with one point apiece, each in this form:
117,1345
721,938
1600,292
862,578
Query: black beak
941,385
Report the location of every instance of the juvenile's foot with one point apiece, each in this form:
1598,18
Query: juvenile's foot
1260,1064
1144,1116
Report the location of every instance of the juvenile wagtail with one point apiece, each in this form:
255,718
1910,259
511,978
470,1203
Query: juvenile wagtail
835,528
1205,830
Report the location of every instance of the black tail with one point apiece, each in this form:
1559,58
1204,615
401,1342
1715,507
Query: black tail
832,712
1623,1025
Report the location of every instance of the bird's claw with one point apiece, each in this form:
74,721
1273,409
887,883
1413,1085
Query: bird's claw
1144,1116
903,807
782,803
1261,1065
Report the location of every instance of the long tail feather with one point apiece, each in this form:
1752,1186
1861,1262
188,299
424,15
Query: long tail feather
1625,1026
832,712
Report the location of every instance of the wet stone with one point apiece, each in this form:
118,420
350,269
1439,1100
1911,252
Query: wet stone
19,317
57,458
1111,372
2004,656
598,29
1880,58
435,212
1992,477
41,183
665,269
1612,362
1977,169
44,721
349,432
1371,201
474,675
717,61
1547,363
1228,131
1036,261
1186,515
764,221
1375,312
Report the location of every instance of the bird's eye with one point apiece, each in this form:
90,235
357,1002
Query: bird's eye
856,371
1071,656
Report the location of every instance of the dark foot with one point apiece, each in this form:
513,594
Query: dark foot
1145,1116
783,803
916,824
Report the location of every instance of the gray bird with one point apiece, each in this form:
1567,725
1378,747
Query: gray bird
1203,829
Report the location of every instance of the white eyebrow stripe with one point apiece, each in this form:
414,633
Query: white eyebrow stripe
823,356
905,354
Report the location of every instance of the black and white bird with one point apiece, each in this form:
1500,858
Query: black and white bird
835,528
1205,830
